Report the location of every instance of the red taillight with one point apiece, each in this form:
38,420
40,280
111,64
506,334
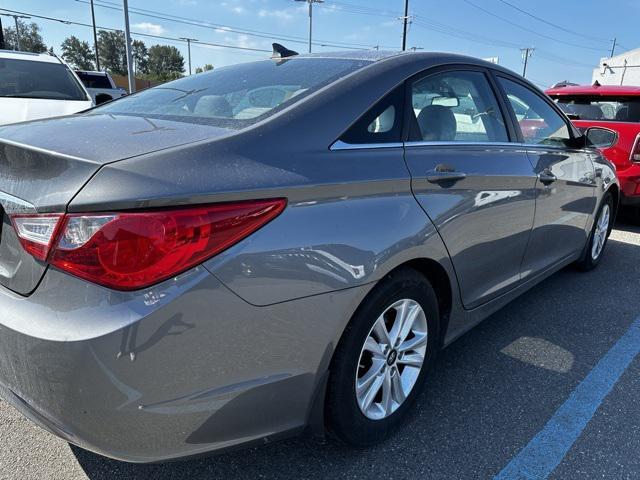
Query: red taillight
635,151
133,250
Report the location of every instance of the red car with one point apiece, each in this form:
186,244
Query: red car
616,108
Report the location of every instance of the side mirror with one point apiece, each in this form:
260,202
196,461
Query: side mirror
599,137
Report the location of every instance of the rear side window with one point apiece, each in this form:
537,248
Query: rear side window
31,79
539,123
93,80
238,95
612,109
457,106
381,124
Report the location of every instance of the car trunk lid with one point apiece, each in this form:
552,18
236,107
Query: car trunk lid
44,164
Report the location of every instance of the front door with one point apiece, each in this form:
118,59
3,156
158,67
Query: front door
565,192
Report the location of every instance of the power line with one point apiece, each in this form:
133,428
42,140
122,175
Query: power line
461,34
139,34
488,12
357,10
476,38
554,25
223,28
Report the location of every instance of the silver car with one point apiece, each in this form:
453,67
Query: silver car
279,246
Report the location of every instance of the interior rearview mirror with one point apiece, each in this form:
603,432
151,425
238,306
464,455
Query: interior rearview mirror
445,101
600,137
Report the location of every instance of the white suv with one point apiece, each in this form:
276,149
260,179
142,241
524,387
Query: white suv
34,86
100,86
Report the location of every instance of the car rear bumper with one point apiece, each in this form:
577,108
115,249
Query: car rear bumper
630,185
179,369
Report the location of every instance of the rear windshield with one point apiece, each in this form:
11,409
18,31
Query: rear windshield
235,96
616,109
93,80
31,79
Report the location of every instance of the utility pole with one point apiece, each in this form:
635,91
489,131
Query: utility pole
613,48
95,36
189,40
1,35
406,22
310,2
526,54
127,39
15,18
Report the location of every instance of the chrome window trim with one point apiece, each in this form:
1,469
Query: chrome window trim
340,145
461,144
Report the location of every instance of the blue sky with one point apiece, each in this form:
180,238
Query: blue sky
464,26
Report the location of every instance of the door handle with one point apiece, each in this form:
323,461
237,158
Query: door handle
546,177
443,174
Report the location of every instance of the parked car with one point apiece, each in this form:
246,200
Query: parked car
616,108
100,86
34,86
216,269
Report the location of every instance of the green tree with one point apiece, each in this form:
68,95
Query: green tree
30,38
165,63
78,53
140,54
112,52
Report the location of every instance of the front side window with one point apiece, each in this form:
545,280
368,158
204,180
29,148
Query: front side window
457,106
37,79
610,108
235,96
539,123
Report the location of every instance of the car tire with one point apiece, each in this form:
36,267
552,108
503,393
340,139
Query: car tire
599,233
406,291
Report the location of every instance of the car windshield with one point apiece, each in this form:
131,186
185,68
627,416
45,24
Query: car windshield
34,79
94,80
235,96
615,109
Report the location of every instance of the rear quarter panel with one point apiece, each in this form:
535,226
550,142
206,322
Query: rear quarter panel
351,216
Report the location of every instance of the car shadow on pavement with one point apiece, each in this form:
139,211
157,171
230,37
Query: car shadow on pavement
491,391
628,220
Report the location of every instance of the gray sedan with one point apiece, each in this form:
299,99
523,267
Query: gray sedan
279,246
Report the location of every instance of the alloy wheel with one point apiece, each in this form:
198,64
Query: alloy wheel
601,231
391,359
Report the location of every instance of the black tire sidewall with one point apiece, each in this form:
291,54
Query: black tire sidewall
588,262
344,417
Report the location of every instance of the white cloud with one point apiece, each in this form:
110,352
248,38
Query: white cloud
234,7
151,28
284,15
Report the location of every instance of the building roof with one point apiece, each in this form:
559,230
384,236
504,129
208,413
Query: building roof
34,57
595,90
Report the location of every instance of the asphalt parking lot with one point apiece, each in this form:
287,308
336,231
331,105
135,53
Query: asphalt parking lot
493,391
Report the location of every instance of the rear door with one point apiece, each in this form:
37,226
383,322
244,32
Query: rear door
565,191
476,186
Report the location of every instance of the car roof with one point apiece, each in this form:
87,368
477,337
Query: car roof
377,56
595,90
33,57
92,72
370,55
